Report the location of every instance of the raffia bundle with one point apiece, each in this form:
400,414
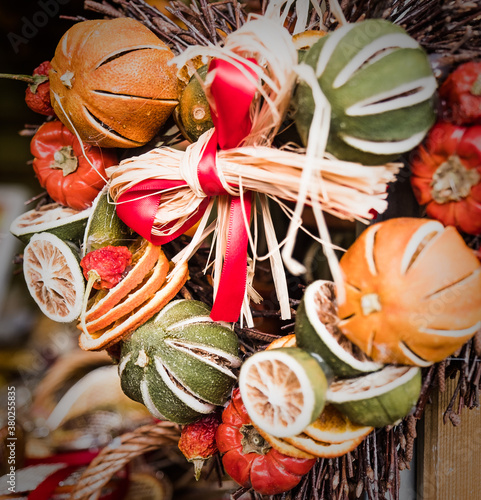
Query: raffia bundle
347,190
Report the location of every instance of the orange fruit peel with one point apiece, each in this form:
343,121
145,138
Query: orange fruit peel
119,329
145,256
151,283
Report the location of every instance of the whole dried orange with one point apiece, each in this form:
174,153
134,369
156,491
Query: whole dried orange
413,292
111,82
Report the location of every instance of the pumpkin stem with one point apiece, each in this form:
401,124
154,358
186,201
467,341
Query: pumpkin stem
252,441
452,181
65,160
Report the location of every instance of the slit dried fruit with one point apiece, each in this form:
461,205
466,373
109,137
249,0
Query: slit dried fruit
180,364
111,82
413,292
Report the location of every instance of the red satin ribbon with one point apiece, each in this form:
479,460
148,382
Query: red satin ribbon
232,92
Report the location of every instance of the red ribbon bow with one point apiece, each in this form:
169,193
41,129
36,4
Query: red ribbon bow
232,92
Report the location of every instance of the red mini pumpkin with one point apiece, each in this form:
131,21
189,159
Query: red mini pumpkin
446,176
63,169
413,292
250,460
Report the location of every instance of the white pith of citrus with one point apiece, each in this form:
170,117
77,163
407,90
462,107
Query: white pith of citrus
54,278
332,344
371,385
277,392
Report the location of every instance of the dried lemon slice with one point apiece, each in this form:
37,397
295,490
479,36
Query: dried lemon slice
53,276
283,390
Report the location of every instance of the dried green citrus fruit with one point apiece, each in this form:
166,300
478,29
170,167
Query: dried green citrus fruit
317,331
193,111
180,363
380,85
104,227
54,277
283,390
377,399
66,223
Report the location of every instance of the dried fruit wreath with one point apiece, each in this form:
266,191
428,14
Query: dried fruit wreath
294,105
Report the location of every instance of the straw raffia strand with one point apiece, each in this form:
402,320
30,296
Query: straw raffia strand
119,453
352,189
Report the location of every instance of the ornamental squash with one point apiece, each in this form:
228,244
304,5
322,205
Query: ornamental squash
413,292
180,364
111,82
380,86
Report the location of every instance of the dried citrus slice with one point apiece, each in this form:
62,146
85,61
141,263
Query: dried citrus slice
334,427
101,339
145,256
286,341
331,435
53,276
66,223
282,446
104,227
317,331
377,399
283,390
306,39
323,450
149,285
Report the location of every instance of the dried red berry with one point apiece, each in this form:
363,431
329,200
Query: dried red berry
37,95
197,441
109,263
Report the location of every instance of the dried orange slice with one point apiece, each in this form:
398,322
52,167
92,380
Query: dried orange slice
323,450
145,256
335,428
283,446
101,339
150,284
53,277
331,435
286,341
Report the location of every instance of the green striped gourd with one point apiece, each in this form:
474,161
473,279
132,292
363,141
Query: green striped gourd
180,364
380,86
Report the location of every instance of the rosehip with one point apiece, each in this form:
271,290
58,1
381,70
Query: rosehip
197,441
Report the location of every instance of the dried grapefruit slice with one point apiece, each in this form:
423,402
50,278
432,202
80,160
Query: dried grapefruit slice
283,390
377,399
145,256
101,339
53,276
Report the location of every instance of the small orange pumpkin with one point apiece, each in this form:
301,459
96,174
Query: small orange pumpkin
413,292
111,82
